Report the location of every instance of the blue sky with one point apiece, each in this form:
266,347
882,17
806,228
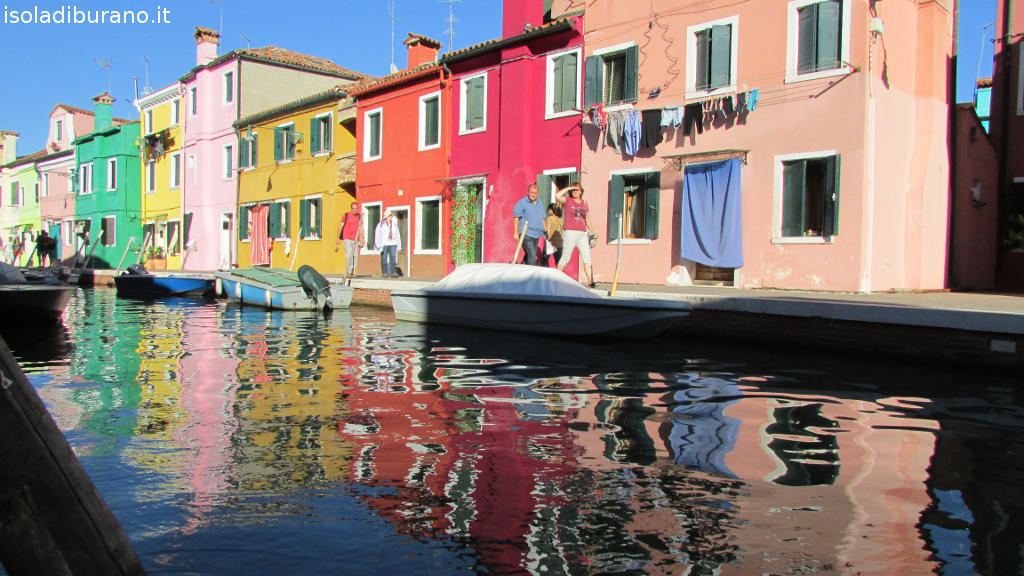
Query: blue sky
47,64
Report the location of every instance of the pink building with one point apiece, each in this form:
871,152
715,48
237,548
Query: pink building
515,121
218,91
806,146
56,174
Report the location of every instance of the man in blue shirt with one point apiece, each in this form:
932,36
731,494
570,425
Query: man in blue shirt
528,219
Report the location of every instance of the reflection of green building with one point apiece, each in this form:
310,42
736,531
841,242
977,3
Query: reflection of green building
107,185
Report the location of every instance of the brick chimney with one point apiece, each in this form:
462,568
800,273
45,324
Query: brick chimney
8,146
421,50
207,42
517,14
102,112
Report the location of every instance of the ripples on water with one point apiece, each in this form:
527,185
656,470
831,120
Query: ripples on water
233,440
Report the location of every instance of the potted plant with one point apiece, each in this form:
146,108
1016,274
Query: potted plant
155,258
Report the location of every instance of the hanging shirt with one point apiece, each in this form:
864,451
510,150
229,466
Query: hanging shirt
651,122
613,137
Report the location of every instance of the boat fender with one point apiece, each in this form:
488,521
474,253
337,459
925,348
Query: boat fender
238,291
267,297
218,287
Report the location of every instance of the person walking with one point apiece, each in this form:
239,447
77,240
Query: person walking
577,229
46,249
389,242
553,229
350,232
528,220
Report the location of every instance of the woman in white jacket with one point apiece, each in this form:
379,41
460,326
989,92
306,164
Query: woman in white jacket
389,242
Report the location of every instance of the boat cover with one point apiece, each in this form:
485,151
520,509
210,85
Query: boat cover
515,279
10,274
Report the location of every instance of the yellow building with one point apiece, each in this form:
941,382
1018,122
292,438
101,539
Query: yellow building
162,173
296,180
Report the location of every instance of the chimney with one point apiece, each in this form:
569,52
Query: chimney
8,146
421,50
207,42
102,112
521,15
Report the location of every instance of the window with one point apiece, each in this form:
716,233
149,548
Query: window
85,179
279,220
611,76
320,135
186,236
552,181
562,84
175,112
284,143
229,87
247,148
15,194
244,216
372,142
46,185
371,217
310,217
59,130
175,179
810,196
111,173
149,121
67,230
229,158
108,231
473,111
37,192
430,121
819,39
637,197
193,102
173,237
151,177
428,223
711,57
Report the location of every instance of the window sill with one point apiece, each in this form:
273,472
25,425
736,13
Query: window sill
321,153
472,131
618,107
286,160
630,242
802,239
431,147
427,252
564,114
793,77
692,93
371,158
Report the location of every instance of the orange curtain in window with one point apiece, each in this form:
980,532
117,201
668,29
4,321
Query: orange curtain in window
260,241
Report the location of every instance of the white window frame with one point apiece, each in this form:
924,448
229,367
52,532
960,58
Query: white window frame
112,183
631,172
366,140
247,206
691,57
193,101
149,121
113,230
85,178
419,218
549,94
167,240
463,105
175,112
321,234
228,162
326,144
45,189
174,173
423,121
793,43
607,50
67,231
777,193
151,177
228,86
365,223
58,129
284,149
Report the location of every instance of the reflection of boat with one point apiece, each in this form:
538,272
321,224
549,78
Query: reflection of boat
283,290
136,282
24,299
532,299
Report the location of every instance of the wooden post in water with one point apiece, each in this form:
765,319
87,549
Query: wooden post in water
52,518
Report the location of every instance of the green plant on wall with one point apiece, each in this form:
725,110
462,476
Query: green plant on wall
464,224
1014,238
154,252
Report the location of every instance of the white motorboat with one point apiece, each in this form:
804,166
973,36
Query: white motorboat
532,299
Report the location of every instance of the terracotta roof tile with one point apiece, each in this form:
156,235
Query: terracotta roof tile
394,78
283,56
550,27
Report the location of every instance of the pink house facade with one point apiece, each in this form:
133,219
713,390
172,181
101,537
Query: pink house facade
515,121
806,144
56,174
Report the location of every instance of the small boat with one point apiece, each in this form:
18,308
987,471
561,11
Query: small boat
24,299
281,289
532,299
137,282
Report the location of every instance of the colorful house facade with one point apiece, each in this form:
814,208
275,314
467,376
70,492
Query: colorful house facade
515,121
162,164
19,218
107,206
57,174
218,91
294,185
402,154
798,158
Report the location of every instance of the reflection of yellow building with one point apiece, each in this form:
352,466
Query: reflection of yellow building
164,230
296,180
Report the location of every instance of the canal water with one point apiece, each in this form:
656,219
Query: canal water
233,440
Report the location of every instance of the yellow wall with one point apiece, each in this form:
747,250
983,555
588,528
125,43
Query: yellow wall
163,204
301,177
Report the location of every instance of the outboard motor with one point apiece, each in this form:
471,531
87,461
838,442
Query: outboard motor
316,286
137,269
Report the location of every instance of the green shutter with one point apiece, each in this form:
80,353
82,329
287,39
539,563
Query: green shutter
616,205
243,222
630,80
327,129
278,144
289,142
314,224
703,59
375,129
570,78
429,226
474,103
721,55
314,136
793,174
557,105
254,151
830,218
807,39
303,218
593,82
828,35
274,221
652,204
187,228
243,152
574,178
432,107
544,195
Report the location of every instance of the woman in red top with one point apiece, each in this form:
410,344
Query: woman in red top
575,232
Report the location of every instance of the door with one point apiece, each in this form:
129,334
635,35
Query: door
226,244
404,255
468,222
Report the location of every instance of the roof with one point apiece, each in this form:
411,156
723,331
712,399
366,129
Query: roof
77,110
26,159
9,133
560,25
421,39
281,56
394,79
335,93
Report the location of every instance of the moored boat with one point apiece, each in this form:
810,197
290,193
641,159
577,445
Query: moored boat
532,299
139,283
280,289
20,298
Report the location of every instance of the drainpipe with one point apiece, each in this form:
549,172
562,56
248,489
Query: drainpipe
953,132
867,228
1004,139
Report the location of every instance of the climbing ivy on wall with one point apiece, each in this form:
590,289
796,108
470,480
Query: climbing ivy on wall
464,224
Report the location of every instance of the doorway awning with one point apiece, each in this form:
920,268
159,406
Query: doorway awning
682,160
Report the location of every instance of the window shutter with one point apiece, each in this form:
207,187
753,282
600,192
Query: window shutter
721,55
243,222
303,218
570,79
278,144
327,132
187,228
558,104
807,47
314,136
274,221
593,81
703,59
254,150
574,178
243,152
375,129
830,219
475,104
616,204
289,145
433,107
793,198
828,35
632,70
544,195
652,204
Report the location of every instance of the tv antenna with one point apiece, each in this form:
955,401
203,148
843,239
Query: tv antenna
146,88
393,16
451,22
248,41
220,25
105,64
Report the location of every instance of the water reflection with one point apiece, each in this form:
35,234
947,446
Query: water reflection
356,444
